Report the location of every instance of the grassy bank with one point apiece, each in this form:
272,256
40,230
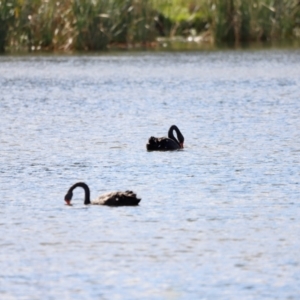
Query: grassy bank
98,24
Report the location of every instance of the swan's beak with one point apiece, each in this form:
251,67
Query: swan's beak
68,202
181,145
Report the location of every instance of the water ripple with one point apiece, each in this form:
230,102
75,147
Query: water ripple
217,220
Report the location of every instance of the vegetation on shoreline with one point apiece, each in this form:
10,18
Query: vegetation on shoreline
56,25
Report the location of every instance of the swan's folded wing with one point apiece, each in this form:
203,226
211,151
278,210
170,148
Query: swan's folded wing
127,198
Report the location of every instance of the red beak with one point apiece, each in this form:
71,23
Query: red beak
68,202
181,145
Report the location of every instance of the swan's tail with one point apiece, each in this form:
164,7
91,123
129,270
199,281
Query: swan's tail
130,198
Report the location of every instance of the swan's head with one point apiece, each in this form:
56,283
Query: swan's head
68,198
180,139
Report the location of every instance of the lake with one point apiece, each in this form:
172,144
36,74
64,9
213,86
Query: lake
218,219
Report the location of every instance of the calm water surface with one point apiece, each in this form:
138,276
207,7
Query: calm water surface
218,220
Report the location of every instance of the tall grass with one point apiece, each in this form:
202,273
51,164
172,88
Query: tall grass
7,15
66,25
256,20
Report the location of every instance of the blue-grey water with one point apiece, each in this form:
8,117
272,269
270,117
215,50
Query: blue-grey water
218,220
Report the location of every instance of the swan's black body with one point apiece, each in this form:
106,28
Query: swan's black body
166,143
127,198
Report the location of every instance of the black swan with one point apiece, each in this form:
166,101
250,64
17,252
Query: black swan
166,143
127,198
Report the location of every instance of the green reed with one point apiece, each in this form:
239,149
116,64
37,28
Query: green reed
7,16
255,20
65,25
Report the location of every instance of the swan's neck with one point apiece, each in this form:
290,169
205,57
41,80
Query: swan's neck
87,199
179,139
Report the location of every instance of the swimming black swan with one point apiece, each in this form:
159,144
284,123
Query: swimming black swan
127,198
166,143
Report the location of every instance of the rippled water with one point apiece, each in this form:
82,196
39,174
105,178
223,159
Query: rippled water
218,220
